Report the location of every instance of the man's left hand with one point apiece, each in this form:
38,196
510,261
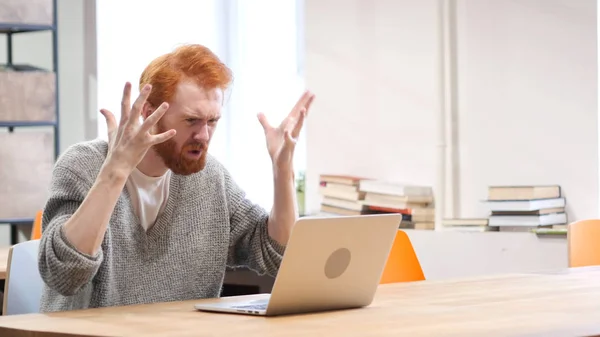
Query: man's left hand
281,140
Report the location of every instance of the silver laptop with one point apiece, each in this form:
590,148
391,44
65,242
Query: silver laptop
330,263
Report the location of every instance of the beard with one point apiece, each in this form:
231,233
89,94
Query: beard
176,159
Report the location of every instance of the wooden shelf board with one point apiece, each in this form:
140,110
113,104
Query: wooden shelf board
19,221
23,28
15,124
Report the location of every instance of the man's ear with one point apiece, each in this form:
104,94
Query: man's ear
147,109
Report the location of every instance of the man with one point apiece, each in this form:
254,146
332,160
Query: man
149,215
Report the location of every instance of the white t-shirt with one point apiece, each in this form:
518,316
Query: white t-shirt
149,195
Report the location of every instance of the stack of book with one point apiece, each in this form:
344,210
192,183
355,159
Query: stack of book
351,195
340,195
468,225
414,202
527,208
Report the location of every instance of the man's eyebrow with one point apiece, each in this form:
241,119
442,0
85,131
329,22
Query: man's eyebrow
214,116
194,116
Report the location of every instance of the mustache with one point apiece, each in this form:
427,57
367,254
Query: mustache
196,146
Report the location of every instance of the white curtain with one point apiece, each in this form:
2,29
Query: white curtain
258,39
264,58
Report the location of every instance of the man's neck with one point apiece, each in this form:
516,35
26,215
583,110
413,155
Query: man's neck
152,165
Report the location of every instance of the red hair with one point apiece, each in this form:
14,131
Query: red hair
191,62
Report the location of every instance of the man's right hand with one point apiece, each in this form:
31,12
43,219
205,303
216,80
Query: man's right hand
131,139
128,143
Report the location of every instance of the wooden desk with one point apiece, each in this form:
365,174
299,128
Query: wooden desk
562,303
3,262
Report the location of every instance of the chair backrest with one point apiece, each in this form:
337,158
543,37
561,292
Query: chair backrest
403,264
23,285
583,241
36,231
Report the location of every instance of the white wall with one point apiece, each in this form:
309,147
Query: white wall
526,95
528,110
76,22
372,67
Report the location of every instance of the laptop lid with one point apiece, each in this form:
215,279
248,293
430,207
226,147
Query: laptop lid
333,263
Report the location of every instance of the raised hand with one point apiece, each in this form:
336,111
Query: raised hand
281,140
131,139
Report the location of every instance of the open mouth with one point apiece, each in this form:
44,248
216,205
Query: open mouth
195,152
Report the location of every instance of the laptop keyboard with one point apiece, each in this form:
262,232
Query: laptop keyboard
254,305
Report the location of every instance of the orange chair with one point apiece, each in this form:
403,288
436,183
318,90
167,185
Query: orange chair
583,241
402,264
36,231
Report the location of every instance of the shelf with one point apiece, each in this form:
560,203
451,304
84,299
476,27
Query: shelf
23,28
28,97
21,68
25,175
30,103
17,221
17,124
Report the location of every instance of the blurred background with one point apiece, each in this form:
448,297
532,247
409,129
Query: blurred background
455,97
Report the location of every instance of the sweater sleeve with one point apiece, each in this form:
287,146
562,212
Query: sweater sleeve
63,268
250,245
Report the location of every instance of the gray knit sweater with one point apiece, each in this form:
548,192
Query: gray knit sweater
207,224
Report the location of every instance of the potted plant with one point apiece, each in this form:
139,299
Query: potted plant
300,191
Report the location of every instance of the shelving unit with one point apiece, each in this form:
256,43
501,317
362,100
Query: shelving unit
29,98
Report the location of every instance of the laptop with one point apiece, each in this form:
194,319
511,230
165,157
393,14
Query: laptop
330,263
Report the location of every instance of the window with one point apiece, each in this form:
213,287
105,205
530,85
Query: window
258,39
131,33
264,58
